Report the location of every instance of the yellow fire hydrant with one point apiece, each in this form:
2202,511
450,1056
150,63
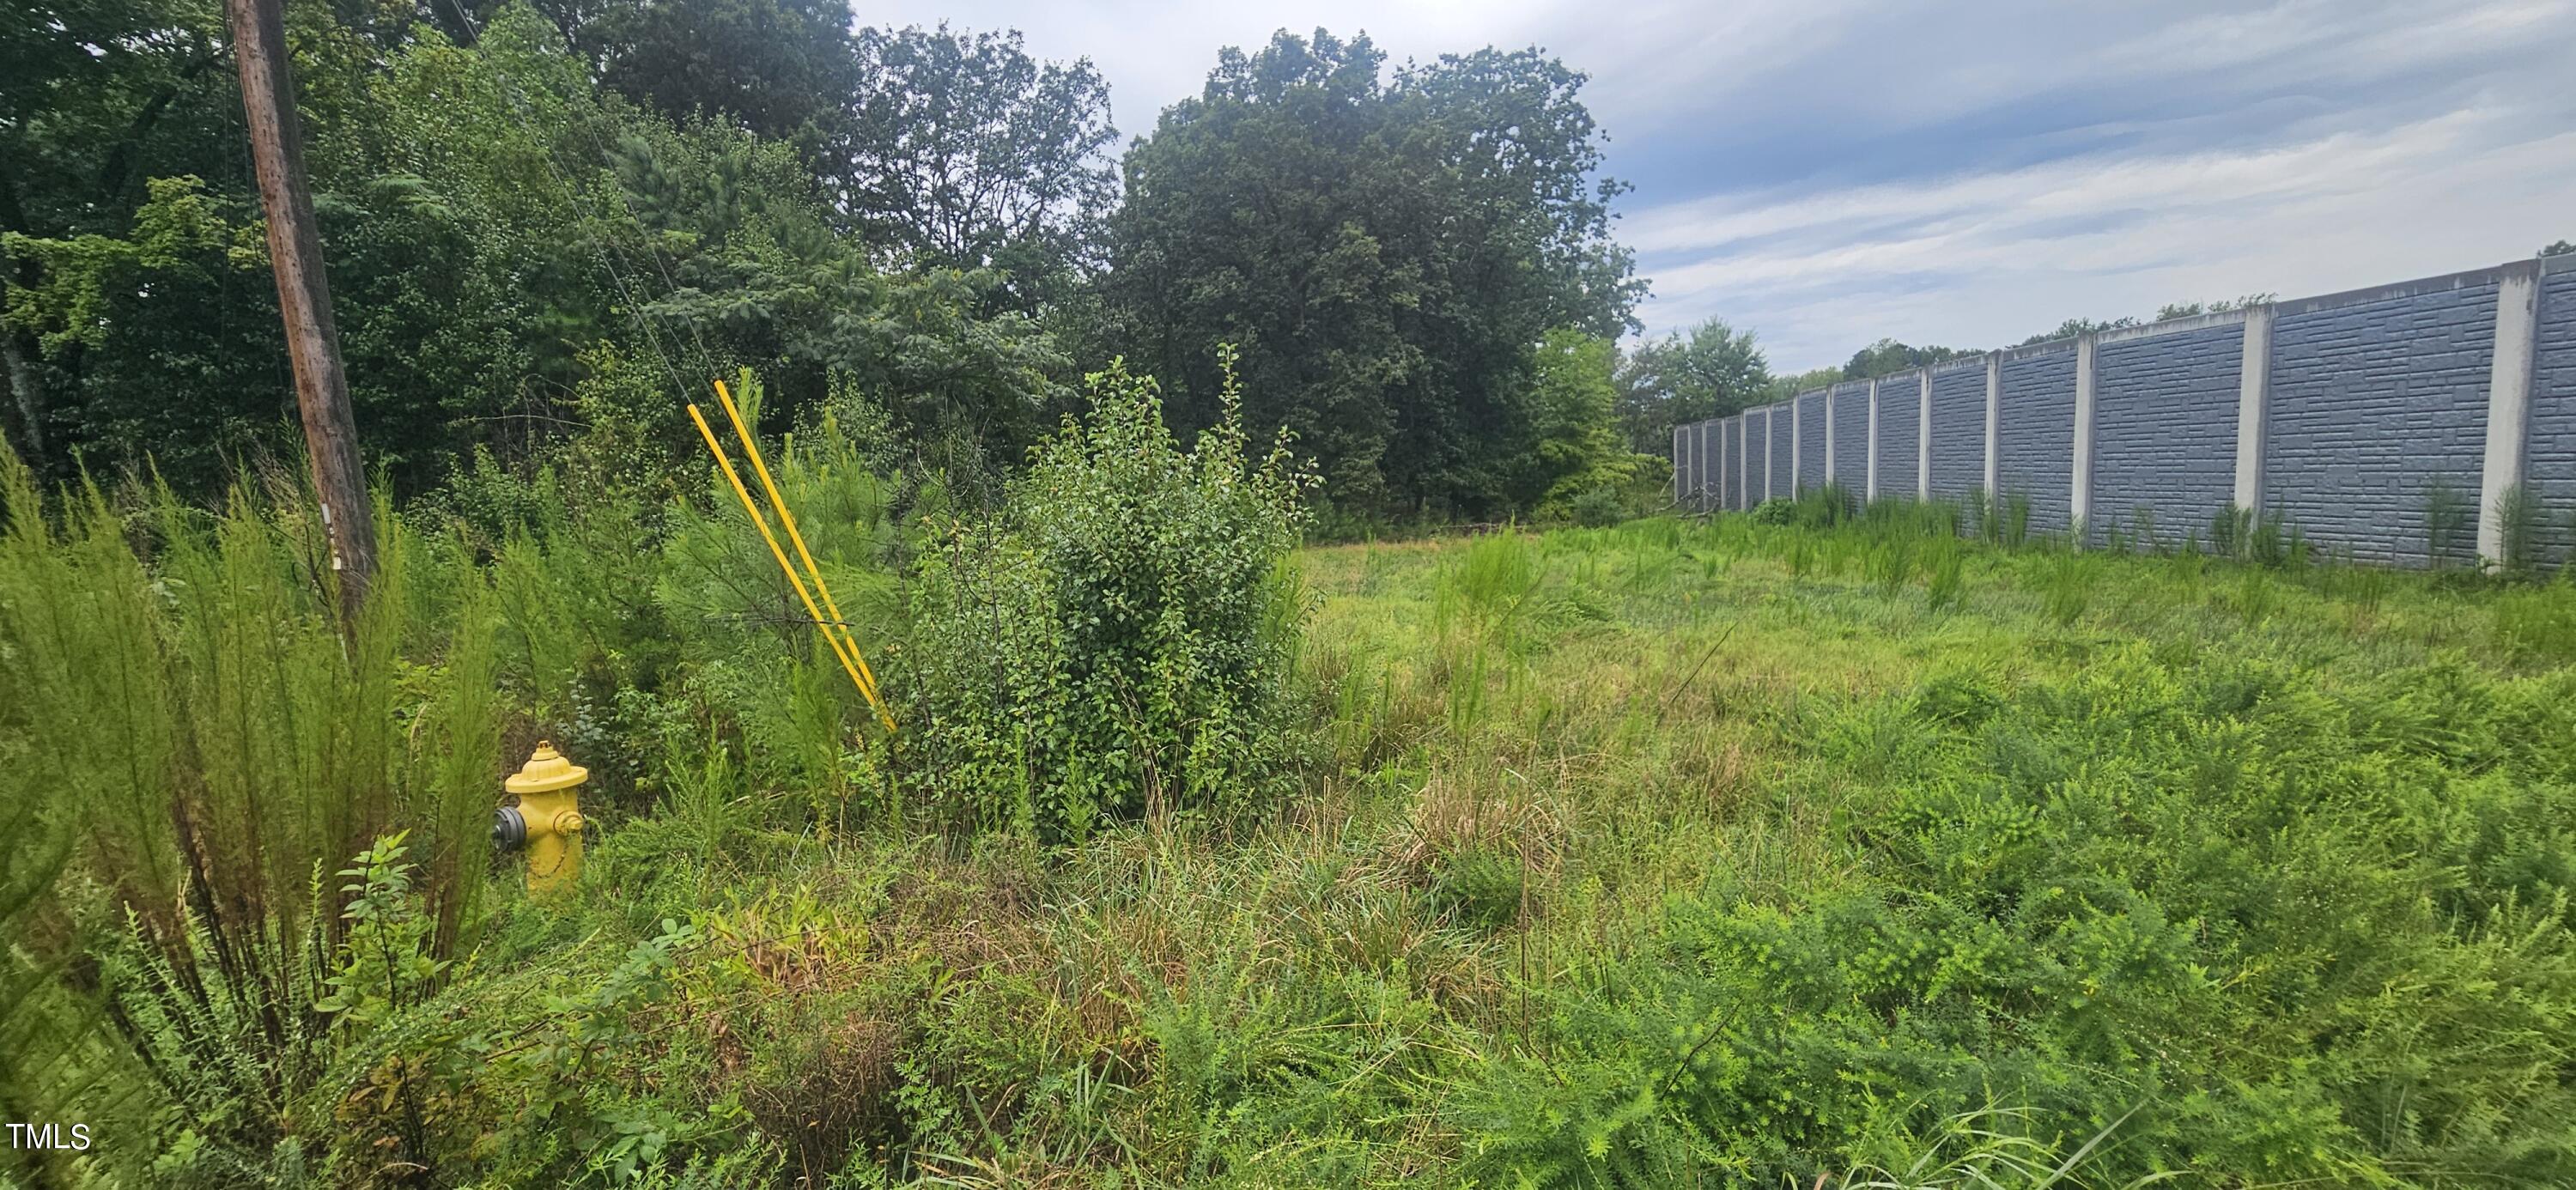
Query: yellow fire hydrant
547,820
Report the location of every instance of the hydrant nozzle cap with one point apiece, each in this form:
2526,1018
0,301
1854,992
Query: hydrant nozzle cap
546,772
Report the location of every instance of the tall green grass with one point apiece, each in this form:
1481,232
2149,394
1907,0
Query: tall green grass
188,722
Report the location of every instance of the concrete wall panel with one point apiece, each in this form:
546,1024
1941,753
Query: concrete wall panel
2552,456
1851,437
2036,435
2164,428
2376,404
1811,441
1958,432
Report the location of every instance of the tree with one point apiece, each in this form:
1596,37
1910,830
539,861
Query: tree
1712,371
96,99
2079,326
1575,441
1888,357
2221,306
500,232
1785,387
2557,248
778,67
959,151
1385,251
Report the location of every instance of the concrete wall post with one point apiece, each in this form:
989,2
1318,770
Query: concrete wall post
1923,435
1993,479
2079,501
2253,405
1830,473
1869,484
2508,402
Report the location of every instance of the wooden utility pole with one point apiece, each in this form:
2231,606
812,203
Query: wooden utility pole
303,296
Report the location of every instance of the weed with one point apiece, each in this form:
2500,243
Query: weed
2066,586
2518,515
2256,596
1944,585
2449,517
1891,563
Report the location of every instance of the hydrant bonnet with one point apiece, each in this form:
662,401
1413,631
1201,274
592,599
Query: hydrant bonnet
545,772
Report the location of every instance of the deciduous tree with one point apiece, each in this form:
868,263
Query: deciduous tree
1386,249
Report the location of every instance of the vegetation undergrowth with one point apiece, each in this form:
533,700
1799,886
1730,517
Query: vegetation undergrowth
1833,846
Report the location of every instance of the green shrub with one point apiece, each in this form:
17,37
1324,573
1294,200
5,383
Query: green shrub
1119,640
1890,562
1495,575
1478,887
2519,512
1599,507
182,677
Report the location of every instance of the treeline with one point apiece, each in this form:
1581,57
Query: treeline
540,218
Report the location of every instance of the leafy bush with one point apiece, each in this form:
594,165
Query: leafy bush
1599,507
1120,639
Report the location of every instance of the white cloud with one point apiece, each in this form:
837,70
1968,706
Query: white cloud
1830,171
1984,260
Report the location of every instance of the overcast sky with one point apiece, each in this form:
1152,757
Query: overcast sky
1828,172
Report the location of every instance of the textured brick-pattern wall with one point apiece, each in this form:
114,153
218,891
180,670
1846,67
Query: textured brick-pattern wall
2552,461
2373,404
2035,435
1899,432
1851,437
1811,441
2164,431
1958,432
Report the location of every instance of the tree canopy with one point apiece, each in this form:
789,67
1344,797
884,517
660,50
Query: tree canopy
1711,371
520,204
1888,357
1388,249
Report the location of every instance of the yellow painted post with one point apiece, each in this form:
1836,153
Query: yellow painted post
835,634
839,649
760,467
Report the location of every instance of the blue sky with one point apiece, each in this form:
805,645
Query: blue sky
1827,173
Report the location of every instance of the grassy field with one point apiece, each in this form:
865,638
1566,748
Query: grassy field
1679,853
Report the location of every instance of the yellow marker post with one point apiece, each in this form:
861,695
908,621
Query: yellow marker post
760,467
841,651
